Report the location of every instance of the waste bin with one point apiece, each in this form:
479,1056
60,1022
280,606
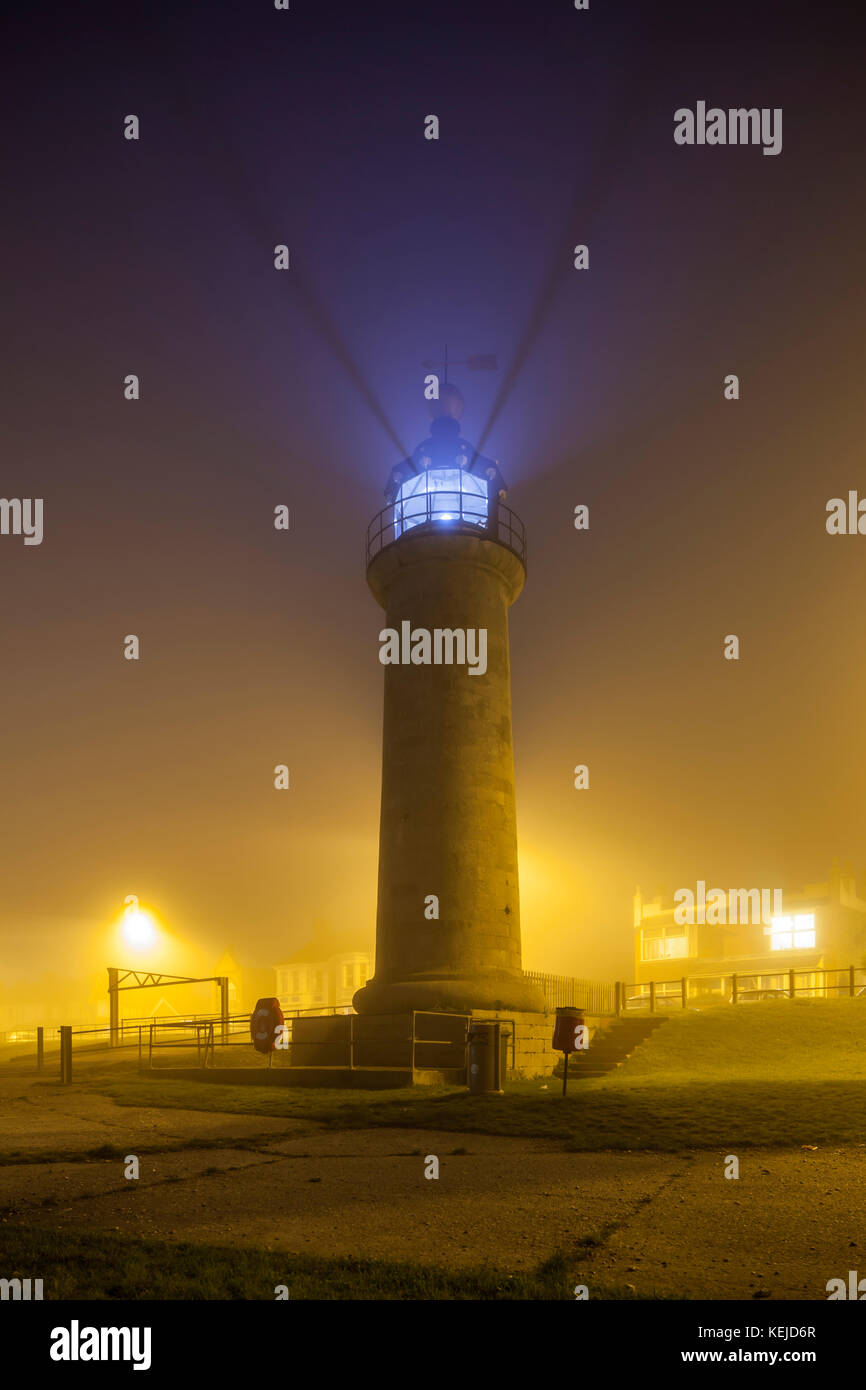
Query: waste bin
568,1020
485,1065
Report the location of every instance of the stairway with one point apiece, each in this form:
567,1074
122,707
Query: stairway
611,1047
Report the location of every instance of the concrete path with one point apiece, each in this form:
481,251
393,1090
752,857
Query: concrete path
664,1224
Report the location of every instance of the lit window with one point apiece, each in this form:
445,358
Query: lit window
347,976
793,933
664,947
676,946
362,974
441,494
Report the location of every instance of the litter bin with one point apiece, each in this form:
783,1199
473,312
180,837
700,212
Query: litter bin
485,1066
568,1020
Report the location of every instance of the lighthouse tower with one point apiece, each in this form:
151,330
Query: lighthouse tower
445,560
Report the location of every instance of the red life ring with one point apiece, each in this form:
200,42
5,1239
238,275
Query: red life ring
266,1021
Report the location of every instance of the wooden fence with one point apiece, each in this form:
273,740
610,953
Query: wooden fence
739,987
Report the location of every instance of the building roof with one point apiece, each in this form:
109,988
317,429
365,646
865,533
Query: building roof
326,943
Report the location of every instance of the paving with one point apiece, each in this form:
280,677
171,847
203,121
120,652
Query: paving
669,1225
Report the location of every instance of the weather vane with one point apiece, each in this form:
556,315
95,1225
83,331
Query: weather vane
486,362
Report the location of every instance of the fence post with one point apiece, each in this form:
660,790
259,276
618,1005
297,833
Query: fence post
40,1046
684,986
224,1007
113,1005
734,989
851,986
652,996
65,1052
792,988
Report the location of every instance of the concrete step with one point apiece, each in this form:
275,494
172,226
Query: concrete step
613,1047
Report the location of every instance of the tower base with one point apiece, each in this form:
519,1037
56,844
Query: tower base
450,993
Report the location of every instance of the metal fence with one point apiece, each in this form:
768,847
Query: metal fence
336,1039
560,990
128,1028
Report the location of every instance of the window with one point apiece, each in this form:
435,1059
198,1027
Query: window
663,947
348,976
318,984
793,933
362,973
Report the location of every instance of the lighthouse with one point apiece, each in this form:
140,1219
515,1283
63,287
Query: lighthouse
446,558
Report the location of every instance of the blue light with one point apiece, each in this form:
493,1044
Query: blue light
441,494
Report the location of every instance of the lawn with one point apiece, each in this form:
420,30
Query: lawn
780,1072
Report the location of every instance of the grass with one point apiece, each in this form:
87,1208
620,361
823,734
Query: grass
779,1072
775,1040
776,1073
113,1267
595,1115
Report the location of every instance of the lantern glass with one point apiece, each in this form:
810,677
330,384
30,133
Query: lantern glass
441,495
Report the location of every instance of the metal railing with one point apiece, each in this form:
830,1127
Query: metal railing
350,1048
561,990
207,1033
501,523
127,1028
205,1040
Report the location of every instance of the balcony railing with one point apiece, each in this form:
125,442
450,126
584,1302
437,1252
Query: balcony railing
447,512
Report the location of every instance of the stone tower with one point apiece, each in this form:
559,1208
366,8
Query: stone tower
445,560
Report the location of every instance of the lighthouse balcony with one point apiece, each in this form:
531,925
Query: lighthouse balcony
418,511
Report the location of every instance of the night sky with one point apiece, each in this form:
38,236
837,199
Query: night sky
258,647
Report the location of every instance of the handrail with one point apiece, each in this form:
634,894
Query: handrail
501,524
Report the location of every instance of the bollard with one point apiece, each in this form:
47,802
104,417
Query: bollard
40,1048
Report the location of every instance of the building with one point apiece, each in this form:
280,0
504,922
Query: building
819,931
246,984
325,974
445,560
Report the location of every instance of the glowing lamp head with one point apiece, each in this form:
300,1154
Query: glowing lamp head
445,482
138,926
